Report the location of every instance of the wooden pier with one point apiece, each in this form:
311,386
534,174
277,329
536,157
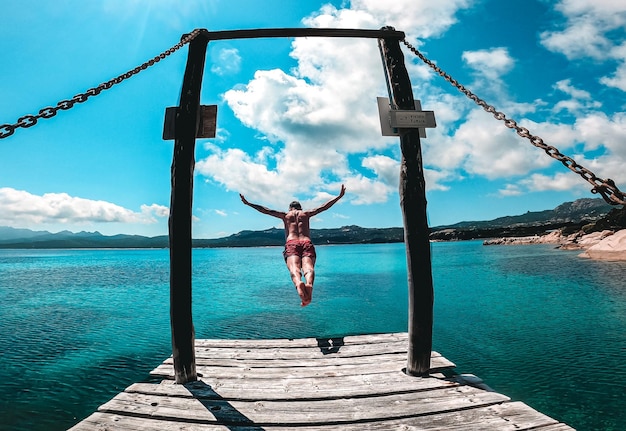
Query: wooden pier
348,383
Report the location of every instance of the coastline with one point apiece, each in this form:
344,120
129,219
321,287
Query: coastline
607,245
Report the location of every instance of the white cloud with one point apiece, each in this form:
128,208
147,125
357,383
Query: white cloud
320,114
489,65
561,181
156,210
587,27
419,18
236,170
385,168
566,87
510,190
594,29
225,61
435,178
23,209
324,109
580,99
367,191
492,63
604,167
618,79
483,146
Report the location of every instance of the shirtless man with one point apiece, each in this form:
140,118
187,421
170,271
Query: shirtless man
299,251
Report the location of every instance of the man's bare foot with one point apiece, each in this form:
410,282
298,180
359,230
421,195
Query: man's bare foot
308,288
302,292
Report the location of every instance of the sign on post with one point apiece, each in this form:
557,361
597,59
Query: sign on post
393,119
206,125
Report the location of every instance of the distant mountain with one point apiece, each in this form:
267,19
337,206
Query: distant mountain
570,217
273,236
585,209
581,214
25,238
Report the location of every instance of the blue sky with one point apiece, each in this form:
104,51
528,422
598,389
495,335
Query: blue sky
298,117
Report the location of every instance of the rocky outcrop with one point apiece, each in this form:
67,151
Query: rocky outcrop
581,240
603,239
611,247
555,237
605,245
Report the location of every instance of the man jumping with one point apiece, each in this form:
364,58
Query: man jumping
299,251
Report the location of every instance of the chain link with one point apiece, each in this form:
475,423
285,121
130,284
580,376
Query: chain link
606,188
27,121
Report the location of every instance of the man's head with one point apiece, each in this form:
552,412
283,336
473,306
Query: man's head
295,205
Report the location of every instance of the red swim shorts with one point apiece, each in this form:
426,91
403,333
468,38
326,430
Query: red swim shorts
301,248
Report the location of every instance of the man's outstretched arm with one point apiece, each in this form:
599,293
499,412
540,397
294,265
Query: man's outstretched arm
328,204
262,209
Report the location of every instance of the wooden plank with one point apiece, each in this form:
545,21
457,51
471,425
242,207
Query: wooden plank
557,427
238,358
340,410
298,389
252,369
303,352
367,339
300,32
514,416
113,422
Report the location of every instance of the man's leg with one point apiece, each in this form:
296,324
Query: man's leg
294,264
308,267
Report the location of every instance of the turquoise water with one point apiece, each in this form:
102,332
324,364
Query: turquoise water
537,324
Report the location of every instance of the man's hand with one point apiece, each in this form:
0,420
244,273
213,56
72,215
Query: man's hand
243,199
343,190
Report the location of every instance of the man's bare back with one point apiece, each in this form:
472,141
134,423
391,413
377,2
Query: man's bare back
297,225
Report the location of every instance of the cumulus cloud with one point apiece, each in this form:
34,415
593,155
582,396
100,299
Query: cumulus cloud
323,110
594,29
510,190
385,168
561,181
481,146
618,79
225,61
478,145
20,208
492,63
489,66
587,27
600,130
419,18
319,116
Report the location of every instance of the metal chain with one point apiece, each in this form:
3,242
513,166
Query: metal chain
26,121
606,188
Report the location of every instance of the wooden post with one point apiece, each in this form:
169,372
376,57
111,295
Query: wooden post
413,204
183,336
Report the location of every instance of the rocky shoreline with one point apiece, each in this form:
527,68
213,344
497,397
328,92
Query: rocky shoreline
603,245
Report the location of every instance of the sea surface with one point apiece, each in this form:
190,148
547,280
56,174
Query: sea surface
540,325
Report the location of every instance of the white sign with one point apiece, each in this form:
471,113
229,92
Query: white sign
412,119
393,119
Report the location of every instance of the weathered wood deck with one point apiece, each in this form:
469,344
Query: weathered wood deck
350,383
